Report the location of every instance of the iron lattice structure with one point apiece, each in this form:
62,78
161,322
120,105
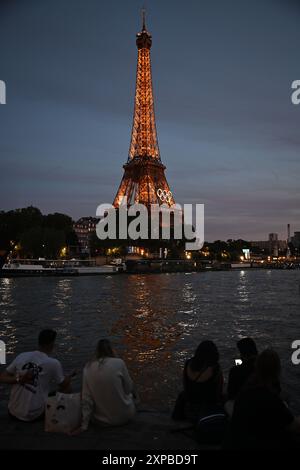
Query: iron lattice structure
144,178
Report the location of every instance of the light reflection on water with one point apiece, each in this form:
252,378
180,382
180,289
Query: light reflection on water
7,330
155,321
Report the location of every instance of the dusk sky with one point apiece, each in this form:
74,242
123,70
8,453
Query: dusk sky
222,73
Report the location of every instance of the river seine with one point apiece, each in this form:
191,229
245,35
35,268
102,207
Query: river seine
155,321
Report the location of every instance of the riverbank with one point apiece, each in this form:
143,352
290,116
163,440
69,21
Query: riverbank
74,268
150,430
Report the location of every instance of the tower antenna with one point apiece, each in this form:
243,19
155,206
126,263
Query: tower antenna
144,18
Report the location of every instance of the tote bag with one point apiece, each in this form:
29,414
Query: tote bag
63,413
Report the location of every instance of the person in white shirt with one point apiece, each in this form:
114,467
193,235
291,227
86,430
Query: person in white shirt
107,390
33,375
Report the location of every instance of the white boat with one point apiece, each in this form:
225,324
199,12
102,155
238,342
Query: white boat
42,267
240,265
105,269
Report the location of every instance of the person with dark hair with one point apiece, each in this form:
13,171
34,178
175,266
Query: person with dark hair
202,381
240,374
107,390
32,375
261,420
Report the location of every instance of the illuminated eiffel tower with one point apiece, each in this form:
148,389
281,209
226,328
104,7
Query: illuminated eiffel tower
144,178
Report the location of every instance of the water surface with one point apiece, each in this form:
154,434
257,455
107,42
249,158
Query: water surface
156,321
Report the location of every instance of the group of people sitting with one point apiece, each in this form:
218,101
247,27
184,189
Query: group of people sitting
107,395
256,413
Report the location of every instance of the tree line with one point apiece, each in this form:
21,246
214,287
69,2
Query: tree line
28,233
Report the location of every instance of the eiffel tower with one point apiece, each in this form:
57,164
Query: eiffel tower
144,180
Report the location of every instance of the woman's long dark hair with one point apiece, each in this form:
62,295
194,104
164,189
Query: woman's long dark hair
267,369
206,355
104,349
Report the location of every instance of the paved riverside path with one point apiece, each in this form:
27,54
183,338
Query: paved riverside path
150,430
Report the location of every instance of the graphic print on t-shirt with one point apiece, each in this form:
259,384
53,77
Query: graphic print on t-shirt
35,370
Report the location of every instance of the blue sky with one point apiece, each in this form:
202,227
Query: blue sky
222,74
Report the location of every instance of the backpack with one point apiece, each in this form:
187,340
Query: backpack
211,427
